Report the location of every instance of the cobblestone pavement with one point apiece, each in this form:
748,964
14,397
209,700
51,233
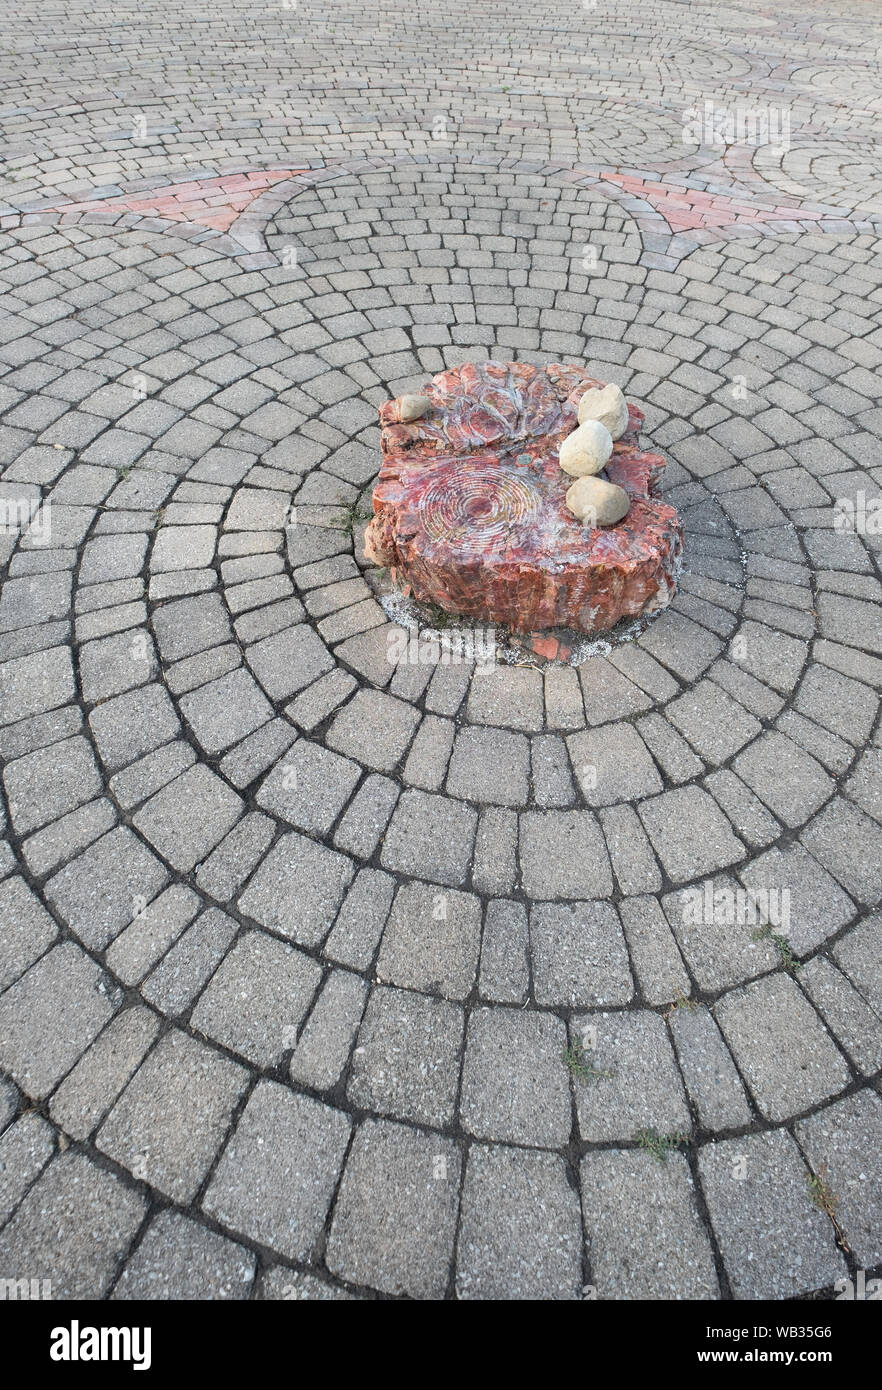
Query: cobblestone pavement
326,976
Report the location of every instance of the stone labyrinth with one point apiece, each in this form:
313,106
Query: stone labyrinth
331,967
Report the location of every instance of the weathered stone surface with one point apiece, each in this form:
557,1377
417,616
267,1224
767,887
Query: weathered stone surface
470,510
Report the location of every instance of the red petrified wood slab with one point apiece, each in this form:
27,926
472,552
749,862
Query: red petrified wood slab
469,508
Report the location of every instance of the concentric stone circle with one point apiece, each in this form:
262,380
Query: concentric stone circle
298,927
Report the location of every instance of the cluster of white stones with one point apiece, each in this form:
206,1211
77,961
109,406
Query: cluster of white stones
603,418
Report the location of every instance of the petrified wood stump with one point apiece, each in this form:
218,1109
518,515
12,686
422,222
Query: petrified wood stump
469,506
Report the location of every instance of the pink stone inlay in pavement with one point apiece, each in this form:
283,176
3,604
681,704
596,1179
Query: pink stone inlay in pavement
690,209
214,203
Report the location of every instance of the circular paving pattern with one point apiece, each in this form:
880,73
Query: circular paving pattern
336,964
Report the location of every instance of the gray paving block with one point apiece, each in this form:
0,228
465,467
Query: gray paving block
519,1235
50,1016
505,968
782,1048
430,836
563,855
26,929
323,1049
277,1176
171,1119
87,1093
72,1230
514,1083
711,1078
394,1221
774,1242
843,1144
297,889
188,817
181,1260
645,1237
638,1086
257,999
406,1061
579,956
431,941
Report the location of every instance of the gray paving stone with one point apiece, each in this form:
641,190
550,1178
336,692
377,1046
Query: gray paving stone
25,1149
190,625
658,966
323,1049
782,1049
278,1173
579,957
181,1260
514,1082
430,836
406,1061
715,724
321,698
611,764
72,1229
494,863
182,548
563,855
774,1242
309,787
507,695
816,905
709,1072
720,949
394,1221
630,852
374,728
640,1086
752,821
563,698
849,845
366,817
286,662
550,770
645,1237
790,782
34,683
257,999
843,1144
50,1016
490,765
856,1026
225,711
356,933
431,941
689,833
26,929
505,967
859,953
50,782
170,1121
112,665
173,985
151,931
87,1093
429,754
187,818
297,889
222,874
519,1236
130,725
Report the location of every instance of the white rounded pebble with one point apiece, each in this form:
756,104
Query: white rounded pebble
608,405
586,450
412,407
596,502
